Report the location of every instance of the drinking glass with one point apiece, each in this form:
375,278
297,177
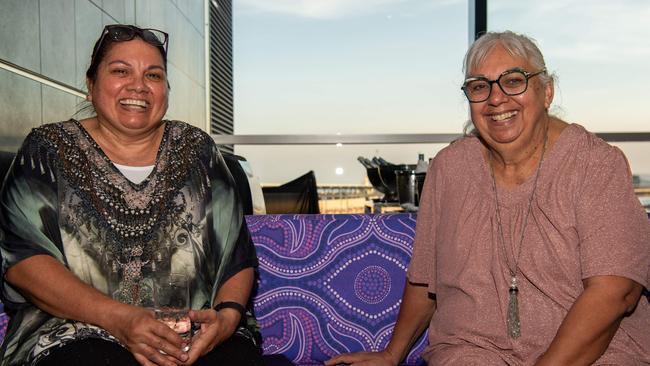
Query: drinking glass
171,297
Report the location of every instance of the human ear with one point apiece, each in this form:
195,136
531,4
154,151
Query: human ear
89,86
549,93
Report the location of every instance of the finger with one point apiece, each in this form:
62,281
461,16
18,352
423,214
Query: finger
172,351
332,361
193,354
145,361
200,342
157,358
152,329
206,337
347,358
163,331
158,342
365,363
338,360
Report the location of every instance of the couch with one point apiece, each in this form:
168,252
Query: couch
327,283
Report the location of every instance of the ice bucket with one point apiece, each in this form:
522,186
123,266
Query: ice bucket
409,186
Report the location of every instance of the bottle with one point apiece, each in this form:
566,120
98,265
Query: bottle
422,165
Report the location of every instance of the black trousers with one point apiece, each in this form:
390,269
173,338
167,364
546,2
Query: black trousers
236,351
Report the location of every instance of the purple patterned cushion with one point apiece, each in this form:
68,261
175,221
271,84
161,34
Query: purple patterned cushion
4,321
331,283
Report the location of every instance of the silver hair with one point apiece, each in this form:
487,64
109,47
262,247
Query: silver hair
517,45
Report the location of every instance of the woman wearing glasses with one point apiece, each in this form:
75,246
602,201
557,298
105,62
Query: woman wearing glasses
531,247
95,212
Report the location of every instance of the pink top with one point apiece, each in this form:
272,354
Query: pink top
585,221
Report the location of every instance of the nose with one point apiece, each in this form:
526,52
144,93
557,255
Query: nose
138,84
497,96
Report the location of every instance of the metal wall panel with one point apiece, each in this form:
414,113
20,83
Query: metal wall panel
221,75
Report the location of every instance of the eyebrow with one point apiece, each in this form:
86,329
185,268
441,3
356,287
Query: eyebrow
128,64
516,68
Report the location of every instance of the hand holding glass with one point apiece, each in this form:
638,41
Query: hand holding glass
171,297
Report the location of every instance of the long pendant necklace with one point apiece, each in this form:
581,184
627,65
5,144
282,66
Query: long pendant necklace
512,320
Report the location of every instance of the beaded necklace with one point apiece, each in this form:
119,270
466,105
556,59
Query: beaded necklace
512,320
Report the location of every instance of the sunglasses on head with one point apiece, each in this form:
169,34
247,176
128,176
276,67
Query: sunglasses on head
123,33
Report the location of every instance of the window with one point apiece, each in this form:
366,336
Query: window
349,67
599,51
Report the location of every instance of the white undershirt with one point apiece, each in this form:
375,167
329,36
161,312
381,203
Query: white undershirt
135,174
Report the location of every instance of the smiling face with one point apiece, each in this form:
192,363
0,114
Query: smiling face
130,92
504,120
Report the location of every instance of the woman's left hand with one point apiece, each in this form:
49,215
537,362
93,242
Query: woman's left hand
216,327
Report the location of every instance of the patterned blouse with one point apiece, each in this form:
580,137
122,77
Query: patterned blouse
63,197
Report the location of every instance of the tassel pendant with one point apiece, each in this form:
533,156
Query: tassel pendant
514,330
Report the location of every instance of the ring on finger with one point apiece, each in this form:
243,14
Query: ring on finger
160,347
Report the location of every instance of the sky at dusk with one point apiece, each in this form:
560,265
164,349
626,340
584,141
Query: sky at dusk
394,66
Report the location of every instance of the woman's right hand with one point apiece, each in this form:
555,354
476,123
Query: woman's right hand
383,358
147,338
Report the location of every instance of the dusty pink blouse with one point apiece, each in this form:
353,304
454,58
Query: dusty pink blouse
585,221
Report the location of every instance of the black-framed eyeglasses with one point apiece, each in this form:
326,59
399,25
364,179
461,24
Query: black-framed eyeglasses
512,82
123,33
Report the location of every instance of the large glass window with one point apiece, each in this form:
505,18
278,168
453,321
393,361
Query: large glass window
394,66
599,52
371,66
345,67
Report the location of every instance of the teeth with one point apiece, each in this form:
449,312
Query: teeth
502,116
136,102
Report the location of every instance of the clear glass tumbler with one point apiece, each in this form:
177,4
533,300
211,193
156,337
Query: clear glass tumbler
171,297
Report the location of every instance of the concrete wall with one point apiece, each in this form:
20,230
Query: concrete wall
55,38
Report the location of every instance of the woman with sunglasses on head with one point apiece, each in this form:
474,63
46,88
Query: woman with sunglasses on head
94,212
531,247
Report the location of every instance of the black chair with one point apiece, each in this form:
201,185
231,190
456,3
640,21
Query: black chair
299,196
241,180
